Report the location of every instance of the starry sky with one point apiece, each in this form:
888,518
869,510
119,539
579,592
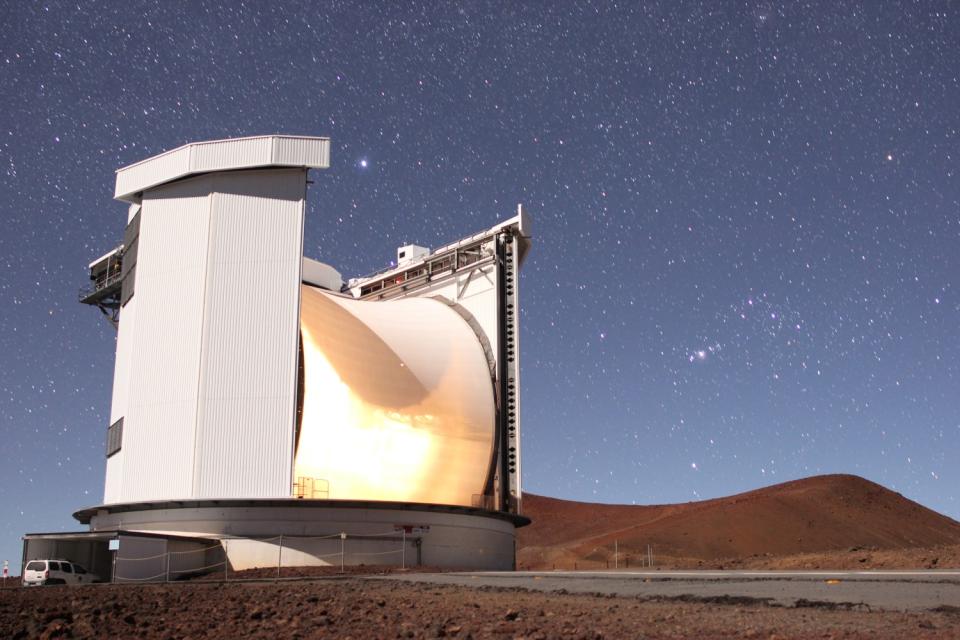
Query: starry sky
746,260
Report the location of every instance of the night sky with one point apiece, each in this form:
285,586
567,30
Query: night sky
746,259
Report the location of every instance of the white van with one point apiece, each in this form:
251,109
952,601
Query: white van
39,572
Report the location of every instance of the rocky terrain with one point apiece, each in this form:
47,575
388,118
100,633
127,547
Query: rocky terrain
354,607
828,522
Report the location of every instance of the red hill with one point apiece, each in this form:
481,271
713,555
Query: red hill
835,513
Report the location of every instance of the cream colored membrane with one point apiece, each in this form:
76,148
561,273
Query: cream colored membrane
398,403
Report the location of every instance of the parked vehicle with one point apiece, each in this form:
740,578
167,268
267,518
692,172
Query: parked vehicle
40,572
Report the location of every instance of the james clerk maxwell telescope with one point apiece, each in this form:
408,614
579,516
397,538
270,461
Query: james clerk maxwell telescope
263,404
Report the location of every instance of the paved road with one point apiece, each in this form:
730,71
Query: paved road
890,590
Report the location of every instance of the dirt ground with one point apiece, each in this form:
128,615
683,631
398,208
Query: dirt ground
352,607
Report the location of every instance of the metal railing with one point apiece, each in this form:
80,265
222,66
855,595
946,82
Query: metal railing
313,488
438,263
102,282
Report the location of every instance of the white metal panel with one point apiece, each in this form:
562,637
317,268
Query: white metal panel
221,155
231,154
170,165
158,437
248,377
126,332
476,292
288,150
112,487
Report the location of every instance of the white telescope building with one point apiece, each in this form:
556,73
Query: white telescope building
262,404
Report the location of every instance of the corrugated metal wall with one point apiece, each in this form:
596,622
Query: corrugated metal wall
248,378
207,352
306,151
232,153
112,486
113,483
165,355
221,155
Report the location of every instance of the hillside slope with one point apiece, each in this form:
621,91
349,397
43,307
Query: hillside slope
818,514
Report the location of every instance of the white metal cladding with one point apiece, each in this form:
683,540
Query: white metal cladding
231,154
154,171
476,292
221,155
113,484
305,152
247,389
158,439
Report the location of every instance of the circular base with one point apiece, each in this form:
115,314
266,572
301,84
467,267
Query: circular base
292,532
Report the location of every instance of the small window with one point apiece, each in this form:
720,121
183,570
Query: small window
67,568
114,437
36,565
79,569
54,566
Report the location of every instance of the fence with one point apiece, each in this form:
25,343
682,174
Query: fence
266,558
603,557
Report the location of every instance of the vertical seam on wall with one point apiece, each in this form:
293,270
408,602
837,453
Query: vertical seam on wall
194,476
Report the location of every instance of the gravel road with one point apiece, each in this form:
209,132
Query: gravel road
867,590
